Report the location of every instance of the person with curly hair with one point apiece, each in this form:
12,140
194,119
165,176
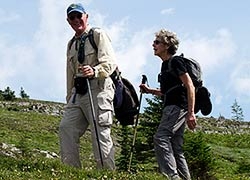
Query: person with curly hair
179,100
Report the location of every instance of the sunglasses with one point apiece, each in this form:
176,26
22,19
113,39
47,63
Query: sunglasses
72,17
157,42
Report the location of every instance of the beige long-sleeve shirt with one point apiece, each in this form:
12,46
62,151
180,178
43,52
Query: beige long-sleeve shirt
102,61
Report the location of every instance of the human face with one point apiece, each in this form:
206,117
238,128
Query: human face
159,47
78,22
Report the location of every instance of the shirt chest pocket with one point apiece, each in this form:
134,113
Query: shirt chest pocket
90,53
89,49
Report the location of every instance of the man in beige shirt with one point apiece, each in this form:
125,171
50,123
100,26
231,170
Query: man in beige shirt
96,66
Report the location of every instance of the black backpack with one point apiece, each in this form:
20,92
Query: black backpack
126,102
202,95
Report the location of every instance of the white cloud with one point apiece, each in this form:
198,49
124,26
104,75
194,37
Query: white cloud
240,78
168,11
15,60
134,56
117,31
210,52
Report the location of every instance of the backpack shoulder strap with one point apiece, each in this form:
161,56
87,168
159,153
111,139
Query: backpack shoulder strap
170,70
170,63
116,75
81,51
91,38
71,42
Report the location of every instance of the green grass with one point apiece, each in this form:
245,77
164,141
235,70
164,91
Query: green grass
41,168
29,131
33,130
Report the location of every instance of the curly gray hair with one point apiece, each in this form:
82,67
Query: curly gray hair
170,38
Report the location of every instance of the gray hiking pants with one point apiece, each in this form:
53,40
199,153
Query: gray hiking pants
77,118
168,142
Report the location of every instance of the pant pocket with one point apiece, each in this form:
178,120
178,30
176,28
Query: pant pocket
105,106
105,117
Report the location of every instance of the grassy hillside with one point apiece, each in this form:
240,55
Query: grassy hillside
29,147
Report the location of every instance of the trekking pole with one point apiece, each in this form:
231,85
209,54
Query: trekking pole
144,80
94,120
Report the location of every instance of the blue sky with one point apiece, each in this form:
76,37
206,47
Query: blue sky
34,34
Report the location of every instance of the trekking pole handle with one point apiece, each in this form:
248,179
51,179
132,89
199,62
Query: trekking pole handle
144,79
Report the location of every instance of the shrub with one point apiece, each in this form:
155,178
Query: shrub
198,155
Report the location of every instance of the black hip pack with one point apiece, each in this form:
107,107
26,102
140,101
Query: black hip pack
80,83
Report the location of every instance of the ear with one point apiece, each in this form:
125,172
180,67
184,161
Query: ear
87,16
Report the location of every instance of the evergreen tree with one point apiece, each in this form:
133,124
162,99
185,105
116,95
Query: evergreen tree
23,94
147,126
237,112
199,156
8,94
1,95
125,142
151,119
